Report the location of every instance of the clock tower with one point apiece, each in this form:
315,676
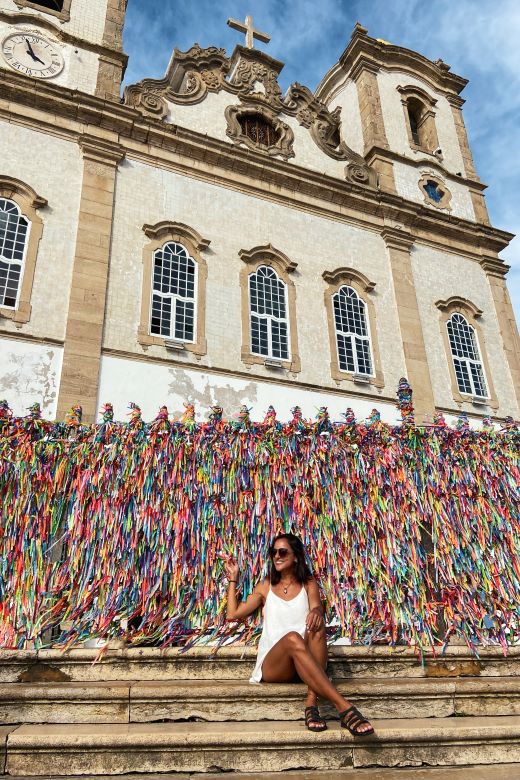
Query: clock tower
72,43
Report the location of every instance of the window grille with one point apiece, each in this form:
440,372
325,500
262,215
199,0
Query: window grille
14,234
352,333
258,129
268,313
173,293
466,357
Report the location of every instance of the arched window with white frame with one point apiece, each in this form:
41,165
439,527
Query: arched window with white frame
174,281
467,361
14,237
269,325
352,332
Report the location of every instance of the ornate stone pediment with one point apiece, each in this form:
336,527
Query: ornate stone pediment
324,127
251,75
189,78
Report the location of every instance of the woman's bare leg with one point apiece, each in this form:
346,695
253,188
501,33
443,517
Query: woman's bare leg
316,641
290,653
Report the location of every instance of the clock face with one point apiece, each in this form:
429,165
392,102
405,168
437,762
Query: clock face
32,54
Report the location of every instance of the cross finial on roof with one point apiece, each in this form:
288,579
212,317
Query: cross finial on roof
249,31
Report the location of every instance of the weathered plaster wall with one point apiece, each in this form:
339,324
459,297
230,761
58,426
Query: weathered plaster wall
152,385
55,176
407,184
208,117
234,221
87,17
351,130
439,276
407,176
29,372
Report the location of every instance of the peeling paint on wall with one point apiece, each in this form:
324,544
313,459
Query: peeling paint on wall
151,385
225,395
29,373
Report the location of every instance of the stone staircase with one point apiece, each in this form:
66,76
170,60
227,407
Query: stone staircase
181,715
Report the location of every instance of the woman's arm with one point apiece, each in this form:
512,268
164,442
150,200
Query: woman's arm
236,611
315,618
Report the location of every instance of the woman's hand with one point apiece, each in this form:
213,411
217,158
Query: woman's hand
231,568
315,620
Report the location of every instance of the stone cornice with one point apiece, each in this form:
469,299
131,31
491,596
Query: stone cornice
346,275
430,160
396,238
456,302
171,147
259,253
167,228
58,32
494,267
364,52
101,151
9,186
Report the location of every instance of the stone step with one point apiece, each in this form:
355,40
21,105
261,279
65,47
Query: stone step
62,750
236,663
495,772
227,700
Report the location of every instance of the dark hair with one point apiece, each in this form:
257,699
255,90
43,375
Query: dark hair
301,568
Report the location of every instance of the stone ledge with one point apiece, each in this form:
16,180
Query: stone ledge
191,747
236,662
499,772
229,700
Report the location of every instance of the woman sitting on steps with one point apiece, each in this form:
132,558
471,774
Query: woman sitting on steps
293,641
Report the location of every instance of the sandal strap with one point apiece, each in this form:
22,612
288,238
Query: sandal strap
353,719
312,715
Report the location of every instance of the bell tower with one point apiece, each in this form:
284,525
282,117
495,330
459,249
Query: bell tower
77,44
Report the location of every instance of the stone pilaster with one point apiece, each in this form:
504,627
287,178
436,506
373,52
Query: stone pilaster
112,67
374,135
495,272
477,196
456,103
399,244
84,332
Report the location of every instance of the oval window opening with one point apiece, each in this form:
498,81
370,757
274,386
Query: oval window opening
258,129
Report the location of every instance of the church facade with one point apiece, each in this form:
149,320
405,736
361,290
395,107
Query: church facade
210,239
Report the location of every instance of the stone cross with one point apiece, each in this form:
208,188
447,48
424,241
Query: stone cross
249,30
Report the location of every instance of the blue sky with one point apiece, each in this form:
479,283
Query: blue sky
478,38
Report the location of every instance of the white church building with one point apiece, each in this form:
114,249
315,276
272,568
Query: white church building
210,239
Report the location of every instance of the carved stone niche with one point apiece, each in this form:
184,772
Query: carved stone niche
324,127
254,74
272,136
189,78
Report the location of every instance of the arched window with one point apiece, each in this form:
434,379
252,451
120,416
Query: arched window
14,237
352,334
173,293
466,357
268,314
415,110
419,110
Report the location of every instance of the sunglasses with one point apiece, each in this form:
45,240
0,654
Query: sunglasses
280,552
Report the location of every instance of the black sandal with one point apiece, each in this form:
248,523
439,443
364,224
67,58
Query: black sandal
312,715
352,719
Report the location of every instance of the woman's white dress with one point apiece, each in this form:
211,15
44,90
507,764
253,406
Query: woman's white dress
280,617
